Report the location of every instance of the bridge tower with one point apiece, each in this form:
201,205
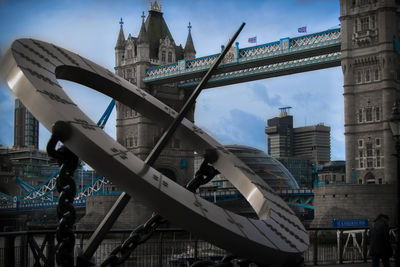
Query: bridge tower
371,74
153,46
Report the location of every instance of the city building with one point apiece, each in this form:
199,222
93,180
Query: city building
26,127
371,75
333,172
309,142
300,149
153,46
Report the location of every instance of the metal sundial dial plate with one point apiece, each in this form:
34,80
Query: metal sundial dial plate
31,69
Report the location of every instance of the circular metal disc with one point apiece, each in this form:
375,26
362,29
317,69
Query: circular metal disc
31,69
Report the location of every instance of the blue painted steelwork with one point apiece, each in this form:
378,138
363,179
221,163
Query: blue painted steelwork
258,55
26,187
44,191
104,118
303,198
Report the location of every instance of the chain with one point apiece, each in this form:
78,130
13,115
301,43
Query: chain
65,185
143,232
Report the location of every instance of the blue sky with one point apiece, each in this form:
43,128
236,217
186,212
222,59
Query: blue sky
231,114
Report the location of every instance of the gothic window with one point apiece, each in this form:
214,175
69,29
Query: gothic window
130,53
377,141
368,114
163,56
364,24
367,75
359,77
360,115
376,75
373,21
128,73
369,163
360,143
169,56
130,141
377,114
369,150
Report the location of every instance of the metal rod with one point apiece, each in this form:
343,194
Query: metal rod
152,157
122,201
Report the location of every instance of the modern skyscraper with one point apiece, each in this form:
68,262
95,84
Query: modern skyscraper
26,127
309,142
280,135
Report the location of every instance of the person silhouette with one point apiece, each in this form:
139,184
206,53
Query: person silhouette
380,247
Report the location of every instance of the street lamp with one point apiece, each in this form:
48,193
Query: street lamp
394,122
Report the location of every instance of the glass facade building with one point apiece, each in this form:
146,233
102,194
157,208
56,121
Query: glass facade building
26,127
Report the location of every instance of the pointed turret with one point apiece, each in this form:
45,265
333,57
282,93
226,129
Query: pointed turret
189,51
120,46
143,54
142,37
121,37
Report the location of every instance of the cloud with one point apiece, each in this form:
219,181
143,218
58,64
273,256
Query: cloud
239,127
260,93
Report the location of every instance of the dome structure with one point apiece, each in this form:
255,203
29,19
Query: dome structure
265,166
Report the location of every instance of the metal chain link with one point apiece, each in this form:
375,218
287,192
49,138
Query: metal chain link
143,232
65,185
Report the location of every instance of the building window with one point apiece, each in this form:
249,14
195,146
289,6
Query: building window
369,163
368,114
377,114
135,141
361,154
360,143
130,141
376,75
367,75
380,181
170,56
163,56
373,21
361,163
378,153
360,115
378,162
359,77
369,150
364,24
377,141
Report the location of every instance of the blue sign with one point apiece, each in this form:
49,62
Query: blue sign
349,223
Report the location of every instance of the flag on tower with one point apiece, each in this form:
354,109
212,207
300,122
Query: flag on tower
253,39
302,29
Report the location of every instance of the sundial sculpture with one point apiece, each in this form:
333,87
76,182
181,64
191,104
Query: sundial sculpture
31,69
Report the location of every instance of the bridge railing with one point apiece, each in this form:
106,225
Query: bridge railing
175,247
284,46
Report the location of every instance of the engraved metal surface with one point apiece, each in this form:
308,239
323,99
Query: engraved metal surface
31,69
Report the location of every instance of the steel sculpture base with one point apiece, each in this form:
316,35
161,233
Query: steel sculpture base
31,69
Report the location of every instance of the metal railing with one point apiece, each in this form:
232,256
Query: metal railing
174,247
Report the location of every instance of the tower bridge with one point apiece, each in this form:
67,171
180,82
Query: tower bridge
286,56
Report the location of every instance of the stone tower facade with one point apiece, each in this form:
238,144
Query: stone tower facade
371,73
153,46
